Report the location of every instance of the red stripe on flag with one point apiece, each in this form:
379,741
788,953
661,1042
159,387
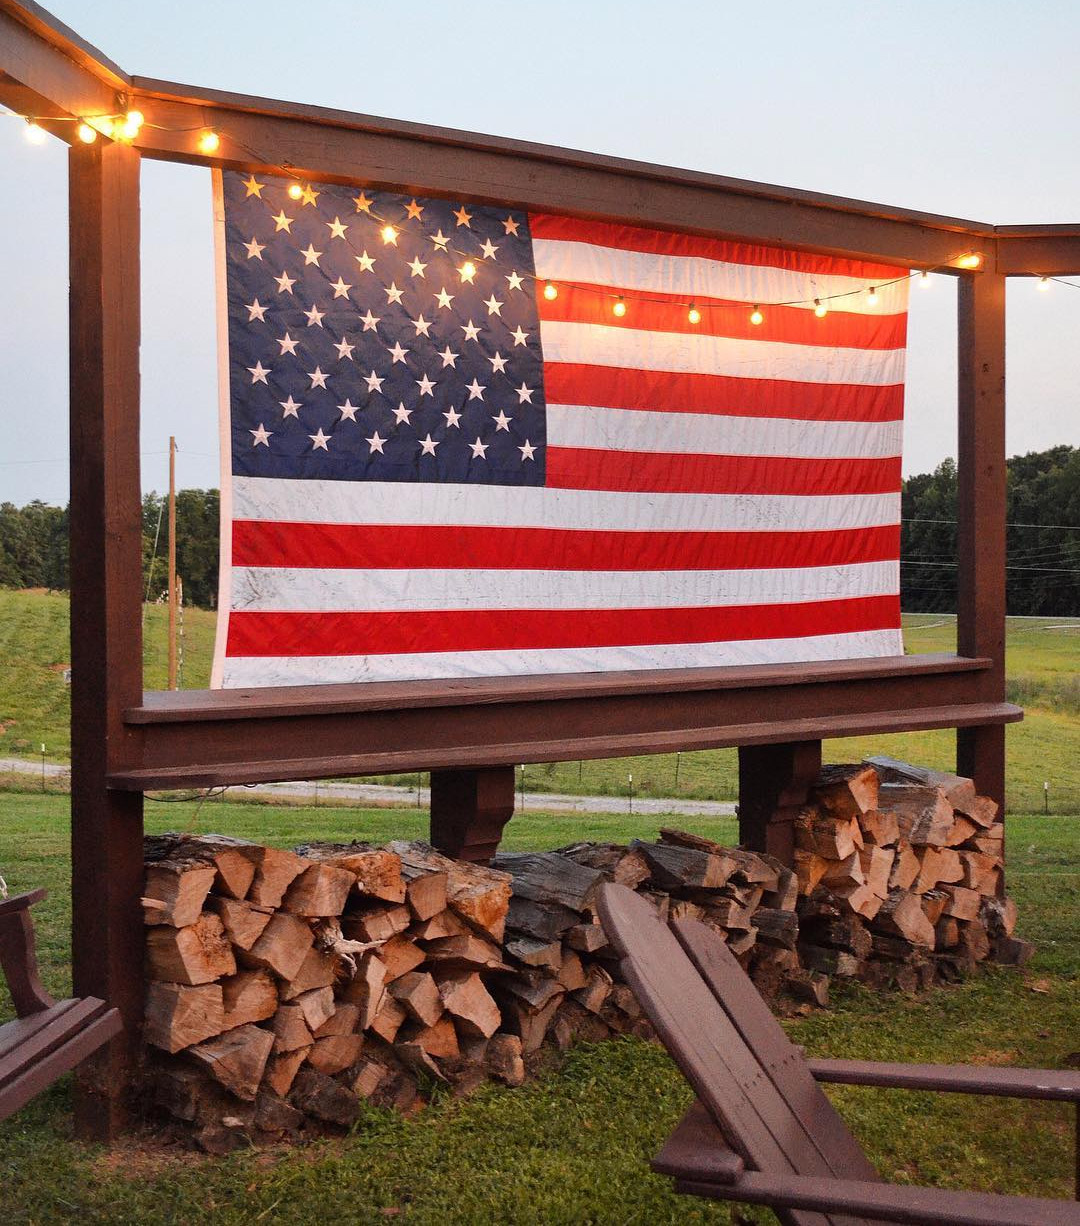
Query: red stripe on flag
662,242
578,303
411,546
355,633
614,388
581,468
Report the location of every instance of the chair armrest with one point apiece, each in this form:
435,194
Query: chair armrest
8,906
955,1078
697,1150
887,1202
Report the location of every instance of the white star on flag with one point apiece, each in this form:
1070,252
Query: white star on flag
262,436
318,439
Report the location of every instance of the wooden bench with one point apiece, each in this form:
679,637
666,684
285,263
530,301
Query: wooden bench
47,1037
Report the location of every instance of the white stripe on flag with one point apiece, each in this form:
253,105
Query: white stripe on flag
315,670
296,500
326,590
638,349
699,277
576,425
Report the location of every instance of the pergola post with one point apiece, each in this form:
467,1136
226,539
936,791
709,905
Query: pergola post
980,540
106,607
773,784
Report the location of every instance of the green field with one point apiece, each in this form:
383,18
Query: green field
1043,662
572,1146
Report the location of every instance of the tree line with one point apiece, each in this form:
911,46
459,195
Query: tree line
1043,513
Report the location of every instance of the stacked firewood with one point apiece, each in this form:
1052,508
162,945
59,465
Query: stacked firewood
288,987
900,876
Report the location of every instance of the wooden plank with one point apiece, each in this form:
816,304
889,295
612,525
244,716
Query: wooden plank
697,1150
60,1025
18,956
781,1060
980,543
106,608
14,1033
1060,1084
233,756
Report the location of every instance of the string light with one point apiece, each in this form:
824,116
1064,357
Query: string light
820,309
468,270
972,260
871,297
209,142
693,315
1044,283
550,291
295,191
35,133
87,134
756,316
389,235
924,279
619,308
132,122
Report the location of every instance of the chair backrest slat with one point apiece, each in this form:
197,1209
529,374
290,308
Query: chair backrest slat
706,1045
784,1064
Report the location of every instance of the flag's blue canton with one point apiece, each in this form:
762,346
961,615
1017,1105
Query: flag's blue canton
354,358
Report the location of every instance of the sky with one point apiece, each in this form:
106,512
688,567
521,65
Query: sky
967,109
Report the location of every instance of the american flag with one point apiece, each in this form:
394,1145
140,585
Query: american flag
467,440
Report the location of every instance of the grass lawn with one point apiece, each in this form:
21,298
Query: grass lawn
1043,662
571,1147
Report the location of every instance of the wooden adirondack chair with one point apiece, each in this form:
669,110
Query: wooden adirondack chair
47,1037
761,1130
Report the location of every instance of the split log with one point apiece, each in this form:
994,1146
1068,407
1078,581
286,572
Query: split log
838,932
982,810
546,877
388,1019
776,927
282,946
281,1069
544,921
835,838
933,904
236,1059
785,894
827,961
315,1094
936,866
464,995
946,932
344,1020
178,1016
847,871
418,993
901,914
810,868
234,860
274,873
810,986
367,1075
879,828
199,953
534,952
999,916
503,1059
175,890
317,1006
318,970
571,972
376,871
963,828
480,895
596,990
425,891
243,923
727,913
905,867
531,1025
859,898
320,890
974,939
587,938
959,791
250,996
962,904
289,1029
275,1116
366,989
685,909
876,863
981,872
376,923
846,790
924,814
399,956
468,952
439,1040
675,867
533,987
623,865
335,1053
414,1058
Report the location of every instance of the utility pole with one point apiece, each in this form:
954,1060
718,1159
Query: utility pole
172,563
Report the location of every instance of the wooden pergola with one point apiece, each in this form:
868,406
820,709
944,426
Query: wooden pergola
470,733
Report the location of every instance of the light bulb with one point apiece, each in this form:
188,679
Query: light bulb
756,316
619,308
468,270
35,133
971,260
924,280
1044,283
87,134
550,292
820,309
128,127
209,142
694,315
295,191
871,297
388,234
